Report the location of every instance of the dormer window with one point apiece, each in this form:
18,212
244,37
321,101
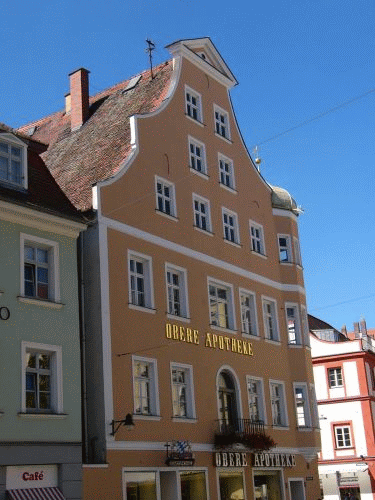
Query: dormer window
12,161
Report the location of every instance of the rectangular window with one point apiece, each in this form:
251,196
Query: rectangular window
182,391
343,437
255,396
197,156
285,248
145,386
176,291
141,485
302,405
293,324
221,122
140,280
202,218
165,197
271,330
39,268
221,305
41,378
13,156
248,313
257,238
230,226
335,377
279,417
226,172
193,103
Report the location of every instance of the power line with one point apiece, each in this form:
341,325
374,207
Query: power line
317,117
344,302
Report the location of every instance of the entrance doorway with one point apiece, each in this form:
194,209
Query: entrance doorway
297,489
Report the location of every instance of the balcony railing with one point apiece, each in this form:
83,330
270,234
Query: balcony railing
249,433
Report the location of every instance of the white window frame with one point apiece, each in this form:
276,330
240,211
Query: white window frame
221,125
231,323
154,388
259,396
182,288
302,387
297,252
257,244
148,281
230,230
56,376
194,158
285,251
335,379
190,106
198,214
297,340
284,423
171,199
226,178
11,141
53,267
190,397
274,319
342,429
252,308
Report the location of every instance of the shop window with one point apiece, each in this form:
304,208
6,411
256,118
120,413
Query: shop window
140,485
267,485
231,484
193,485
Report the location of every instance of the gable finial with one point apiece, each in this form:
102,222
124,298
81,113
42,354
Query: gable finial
149,49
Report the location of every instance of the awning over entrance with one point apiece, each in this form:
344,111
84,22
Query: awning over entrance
36,494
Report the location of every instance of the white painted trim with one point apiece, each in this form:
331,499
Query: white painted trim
56,375
263,399
231,306
38,220
264,299
256,225
53,265
284,403
42,416
192,416
229,161
285,213
197,95
236,228
172,198
288,239
243,291
205,201
194,254
225,113
155,397
148,282
200,144
95,466
40,302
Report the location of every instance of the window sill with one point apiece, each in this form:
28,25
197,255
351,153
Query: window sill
142,308
201,124
304,429
178,318
204,231
270,341
40,302
43,416
345,448
201,174
185,420
228,141
280,427
295,346
228,188
286,263
250,336
138,416
168,216
95,466
222,329
259,254
233,243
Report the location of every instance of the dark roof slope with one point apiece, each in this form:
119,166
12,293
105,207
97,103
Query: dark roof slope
43,192
95,152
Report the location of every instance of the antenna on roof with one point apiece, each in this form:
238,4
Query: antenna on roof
150,48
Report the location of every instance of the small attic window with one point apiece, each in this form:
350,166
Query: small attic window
31,131
132,83
13,159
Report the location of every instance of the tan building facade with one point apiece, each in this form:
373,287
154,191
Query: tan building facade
195,324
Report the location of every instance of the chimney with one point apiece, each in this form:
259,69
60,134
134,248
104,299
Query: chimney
79,97
356,330
363,326
344,330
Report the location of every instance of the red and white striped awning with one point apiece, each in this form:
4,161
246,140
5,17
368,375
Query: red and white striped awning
36,494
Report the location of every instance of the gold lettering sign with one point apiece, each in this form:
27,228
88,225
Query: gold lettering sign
211,340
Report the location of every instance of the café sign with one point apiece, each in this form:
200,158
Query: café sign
31,476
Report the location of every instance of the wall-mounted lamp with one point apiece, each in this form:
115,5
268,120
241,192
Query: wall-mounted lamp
127,422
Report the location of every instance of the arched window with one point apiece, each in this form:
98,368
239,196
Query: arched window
228,415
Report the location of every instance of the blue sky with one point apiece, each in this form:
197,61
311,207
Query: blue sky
294,60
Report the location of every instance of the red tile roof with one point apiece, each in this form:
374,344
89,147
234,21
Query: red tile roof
95,152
